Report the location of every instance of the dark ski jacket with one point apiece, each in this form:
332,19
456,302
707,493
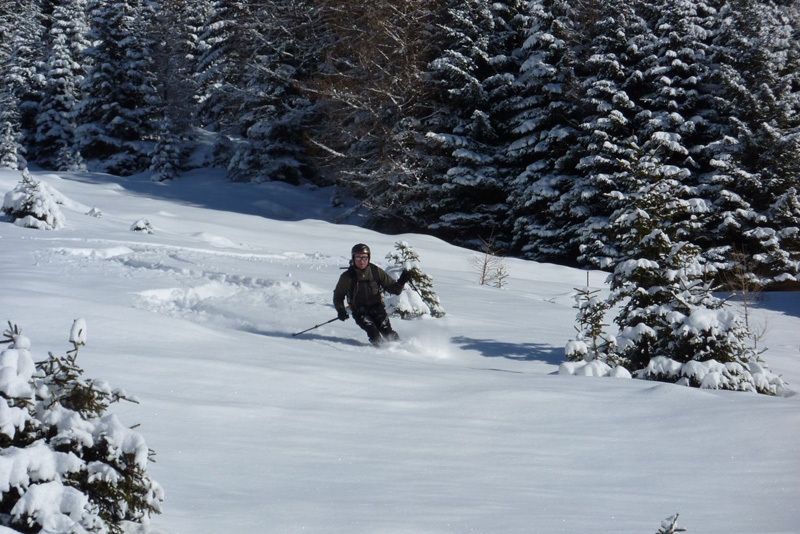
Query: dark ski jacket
362,288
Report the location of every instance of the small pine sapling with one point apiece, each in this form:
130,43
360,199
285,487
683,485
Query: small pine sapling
489,264
591,343
98,481
748,290
166,156
10,148
420,299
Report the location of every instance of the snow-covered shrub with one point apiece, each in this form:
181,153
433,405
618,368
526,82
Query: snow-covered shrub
142,225
750,376
670,526
34,204
592,368
67,466
418,298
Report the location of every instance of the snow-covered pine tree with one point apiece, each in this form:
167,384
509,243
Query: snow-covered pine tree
21,81
166,157
613,87
672,327
34,204
273,113
56,145
71,466
419,298
543,131
651,269
119,108
170,31
194,20
472,81
22,70
10,147
781,257
592,342
756,158
222,48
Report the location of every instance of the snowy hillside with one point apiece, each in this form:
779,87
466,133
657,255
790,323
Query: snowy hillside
465,426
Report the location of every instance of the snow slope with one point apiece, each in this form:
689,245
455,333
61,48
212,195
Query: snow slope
465,426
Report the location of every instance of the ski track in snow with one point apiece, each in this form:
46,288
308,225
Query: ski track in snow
191,287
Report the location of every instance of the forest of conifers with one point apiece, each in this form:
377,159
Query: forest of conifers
567,131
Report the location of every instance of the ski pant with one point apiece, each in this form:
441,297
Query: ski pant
374,321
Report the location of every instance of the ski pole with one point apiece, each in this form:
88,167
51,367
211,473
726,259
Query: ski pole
317,326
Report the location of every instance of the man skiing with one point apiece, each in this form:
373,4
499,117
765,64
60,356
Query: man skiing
362,284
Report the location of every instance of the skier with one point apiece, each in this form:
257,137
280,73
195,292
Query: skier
362,284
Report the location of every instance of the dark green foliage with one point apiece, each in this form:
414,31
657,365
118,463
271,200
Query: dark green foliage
472,87
62,415
448,117
118,111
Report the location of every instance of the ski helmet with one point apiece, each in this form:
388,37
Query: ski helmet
361,248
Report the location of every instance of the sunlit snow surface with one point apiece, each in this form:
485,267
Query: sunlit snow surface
463,426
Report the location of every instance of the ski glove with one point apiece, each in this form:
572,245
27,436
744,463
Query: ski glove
343,314
403,278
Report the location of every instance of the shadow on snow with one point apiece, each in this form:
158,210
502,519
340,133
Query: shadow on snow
308,336
492,348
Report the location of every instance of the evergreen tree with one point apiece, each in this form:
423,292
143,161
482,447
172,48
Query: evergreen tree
119,104
34,204
583,119
165,160
473,84
194,19
641,237
20,77
661,119
170,32
758,59
273,113
55,141
672,326
10,148
611,142
592,342
544,154
56,417
420,299
223,51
